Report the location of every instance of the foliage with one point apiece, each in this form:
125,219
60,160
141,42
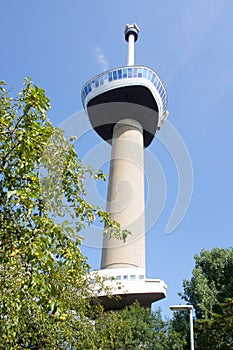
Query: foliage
44,284
136,328
217,332
212,281
179,331
210,291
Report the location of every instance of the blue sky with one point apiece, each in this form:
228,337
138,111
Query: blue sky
62,44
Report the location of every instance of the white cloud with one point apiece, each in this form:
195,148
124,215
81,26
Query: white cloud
101,59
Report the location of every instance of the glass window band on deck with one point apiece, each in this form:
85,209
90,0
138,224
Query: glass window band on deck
124,73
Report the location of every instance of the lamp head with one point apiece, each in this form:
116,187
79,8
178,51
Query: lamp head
181,307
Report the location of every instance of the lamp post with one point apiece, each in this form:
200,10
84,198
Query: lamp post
190,309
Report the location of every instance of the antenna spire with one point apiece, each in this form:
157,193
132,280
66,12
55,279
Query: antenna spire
131,36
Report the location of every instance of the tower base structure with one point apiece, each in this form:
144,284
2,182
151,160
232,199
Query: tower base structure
127,285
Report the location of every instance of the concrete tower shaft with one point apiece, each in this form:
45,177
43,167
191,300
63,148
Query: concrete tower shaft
126,197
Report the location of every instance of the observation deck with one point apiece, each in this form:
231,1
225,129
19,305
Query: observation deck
125,286
134,91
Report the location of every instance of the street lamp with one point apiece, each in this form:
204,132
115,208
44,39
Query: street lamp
183,308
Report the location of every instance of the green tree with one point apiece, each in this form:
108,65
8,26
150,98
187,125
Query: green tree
217,332
210,291
212,281
134,328
179,331
44,284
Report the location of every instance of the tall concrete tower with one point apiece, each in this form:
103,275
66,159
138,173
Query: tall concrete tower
126,106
